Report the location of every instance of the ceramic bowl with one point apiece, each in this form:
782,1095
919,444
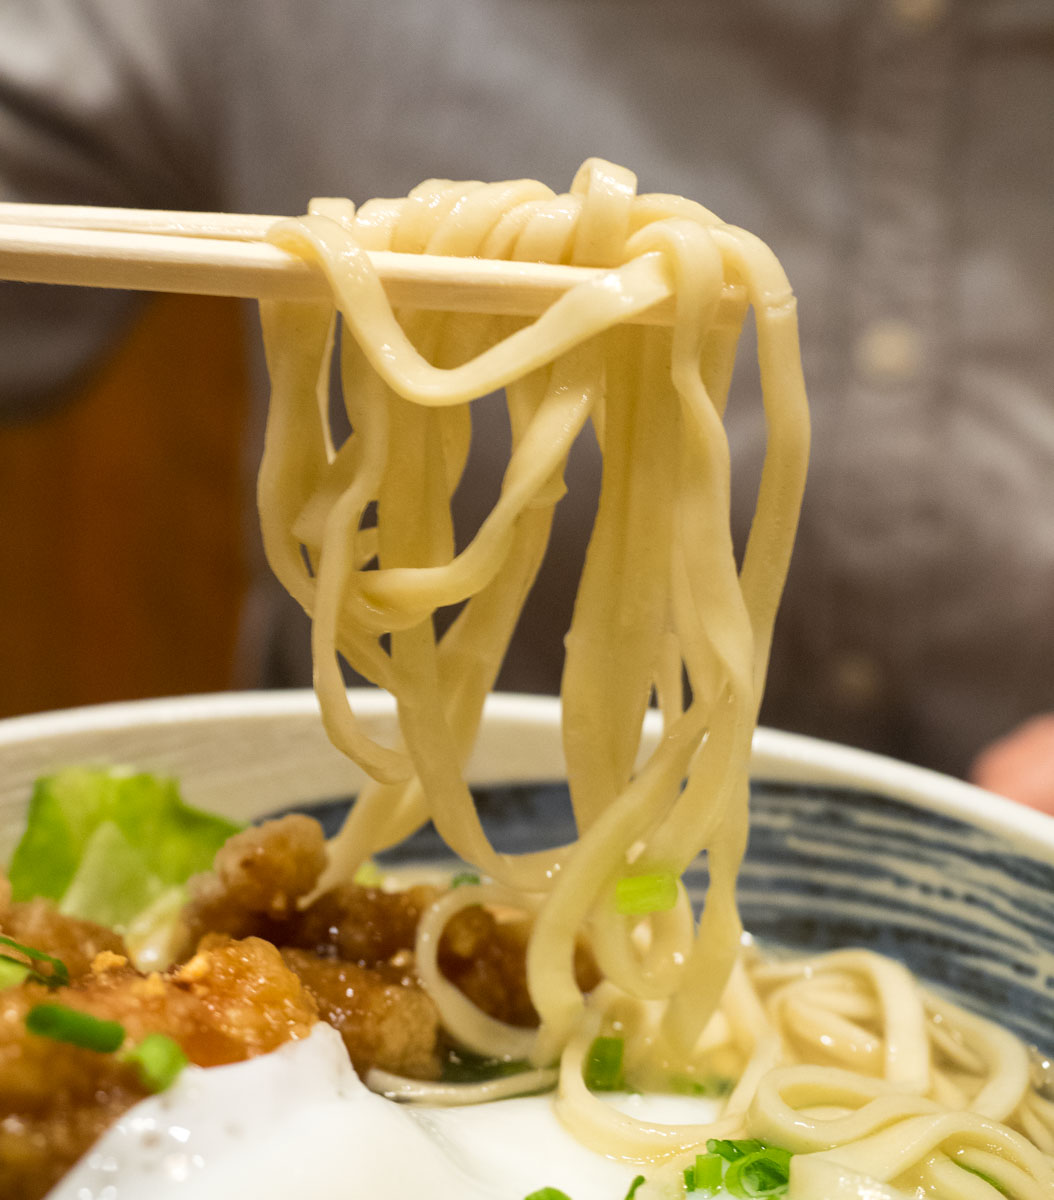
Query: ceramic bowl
846,848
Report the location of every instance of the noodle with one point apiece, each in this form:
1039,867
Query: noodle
844,1060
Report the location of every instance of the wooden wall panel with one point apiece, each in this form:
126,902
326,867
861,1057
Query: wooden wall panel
121,560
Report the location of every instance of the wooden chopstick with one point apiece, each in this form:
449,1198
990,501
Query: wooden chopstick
235,226
222,254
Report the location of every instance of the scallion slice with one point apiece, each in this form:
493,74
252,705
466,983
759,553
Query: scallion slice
603,1067
368,875
731,1150
63,1024
548,1193
706,1174
159,1060
465,879
639,895
58,976
12,972
744,1167
633,1187
764,1172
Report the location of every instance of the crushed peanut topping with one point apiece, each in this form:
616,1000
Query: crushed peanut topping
195,968
107,960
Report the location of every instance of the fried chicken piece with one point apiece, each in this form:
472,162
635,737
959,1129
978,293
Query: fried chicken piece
39,924
488,962
384,1017
487,959
55,1099
261,873
363,925
231,1001
257,877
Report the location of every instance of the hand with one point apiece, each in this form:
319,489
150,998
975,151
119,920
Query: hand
1021,765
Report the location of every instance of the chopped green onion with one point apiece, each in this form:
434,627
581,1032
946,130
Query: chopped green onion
12,973
465,879
159,1060
706,1173
58,976
633,1187
638,895
368,874
731,1150
764,1172
548,1193
63,1024
749,1168
603,1069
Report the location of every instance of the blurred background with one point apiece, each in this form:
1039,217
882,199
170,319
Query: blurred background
896,154
123,530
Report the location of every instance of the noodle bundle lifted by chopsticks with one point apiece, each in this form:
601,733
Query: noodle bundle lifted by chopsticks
361,534
659,592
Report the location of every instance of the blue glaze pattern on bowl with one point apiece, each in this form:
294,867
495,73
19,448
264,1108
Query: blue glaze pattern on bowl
964,908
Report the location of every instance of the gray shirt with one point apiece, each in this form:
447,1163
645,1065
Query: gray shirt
896,154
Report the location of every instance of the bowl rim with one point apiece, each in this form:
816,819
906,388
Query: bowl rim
777,756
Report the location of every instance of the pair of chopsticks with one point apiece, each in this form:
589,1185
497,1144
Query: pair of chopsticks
225,254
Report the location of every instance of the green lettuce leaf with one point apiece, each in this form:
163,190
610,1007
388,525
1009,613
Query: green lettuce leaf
105,844
113,881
